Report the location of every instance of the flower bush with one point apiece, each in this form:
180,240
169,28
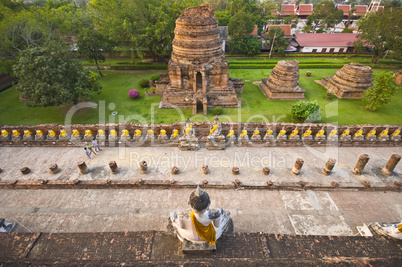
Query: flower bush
134,94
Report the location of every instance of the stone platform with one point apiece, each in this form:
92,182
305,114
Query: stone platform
160,249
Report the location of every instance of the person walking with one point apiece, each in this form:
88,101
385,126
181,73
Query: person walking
95,145
91,150
87,152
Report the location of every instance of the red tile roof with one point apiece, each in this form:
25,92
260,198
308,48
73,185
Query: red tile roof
325,39
345,9
285,28
255,31
288,9
305,9
360,10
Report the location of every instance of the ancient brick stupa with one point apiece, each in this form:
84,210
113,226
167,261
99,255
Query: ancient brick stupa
349,82
198,72
283,83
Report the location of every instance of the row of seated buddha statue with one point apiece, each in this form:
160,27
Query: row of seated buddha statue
215,139
330,135
38,135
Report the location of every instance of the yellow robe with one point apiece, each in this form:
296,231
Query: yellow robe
205,232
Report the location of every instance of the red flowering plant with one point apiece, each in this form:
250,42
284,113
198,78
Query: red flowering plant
134,94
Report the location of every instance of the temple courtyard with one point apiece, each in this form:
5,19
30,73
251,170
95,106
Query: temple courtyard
284,208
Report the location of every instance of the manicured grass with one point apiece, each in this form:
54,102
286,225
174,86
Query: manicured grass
114,97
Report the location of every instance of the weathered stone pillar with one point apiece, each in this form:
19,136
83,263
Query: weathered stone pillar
235,170
265,170
205,169
143,166
329,166
363,159
392,162
83,167
113,167
298,165
175,170
54,169
25,170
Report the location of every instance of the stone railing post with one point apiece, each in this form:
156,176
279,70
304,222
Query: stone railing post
298,165
363,159
329,166
392,162
83,167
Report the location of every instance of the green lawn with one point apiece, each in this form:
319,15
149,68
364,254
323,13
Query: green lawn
114,97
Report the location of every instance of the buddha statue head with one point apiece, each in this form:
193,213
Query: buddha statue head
199,200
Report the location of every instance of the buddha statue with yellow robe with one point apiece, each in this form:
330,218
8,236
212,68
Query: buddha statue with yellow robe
201,224
215,140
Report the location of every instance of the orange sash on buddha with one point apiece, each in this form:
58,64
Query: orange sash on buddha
205,232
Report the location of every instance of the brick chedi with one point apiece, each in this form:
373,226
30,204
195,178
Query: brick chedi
283,83
349,82
198,72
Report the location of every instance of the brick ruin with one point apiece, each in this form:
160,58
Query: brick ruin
283,83
349,82
198,72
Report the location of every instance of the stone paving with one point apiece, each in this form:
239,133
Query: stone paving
112,222
161,159
112,210
161,249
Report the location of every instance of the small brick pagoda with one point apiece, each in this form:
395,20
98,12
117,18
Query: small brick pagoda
283,83
198,72
349,82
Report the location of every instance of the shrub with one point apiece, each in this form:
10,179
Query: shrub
134,94
154,77
308,73
320,30
217,110
143,83
304,111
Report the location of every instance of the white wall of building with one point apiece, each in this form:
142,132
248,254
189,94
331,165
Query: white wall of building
310,49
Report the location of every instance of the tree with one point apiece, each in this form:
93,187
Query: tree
266,9
34,27
276,40
91,44
325,15
139,26
347,30
223,17
242,23
219,5
351,15
248,45
50,76
381,92
381,31
304,111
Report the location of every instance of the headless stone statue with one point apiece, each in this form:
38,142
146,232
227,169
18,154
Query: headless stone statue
201,226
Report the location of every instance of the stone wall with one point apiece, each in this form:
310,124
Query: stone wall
202,131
